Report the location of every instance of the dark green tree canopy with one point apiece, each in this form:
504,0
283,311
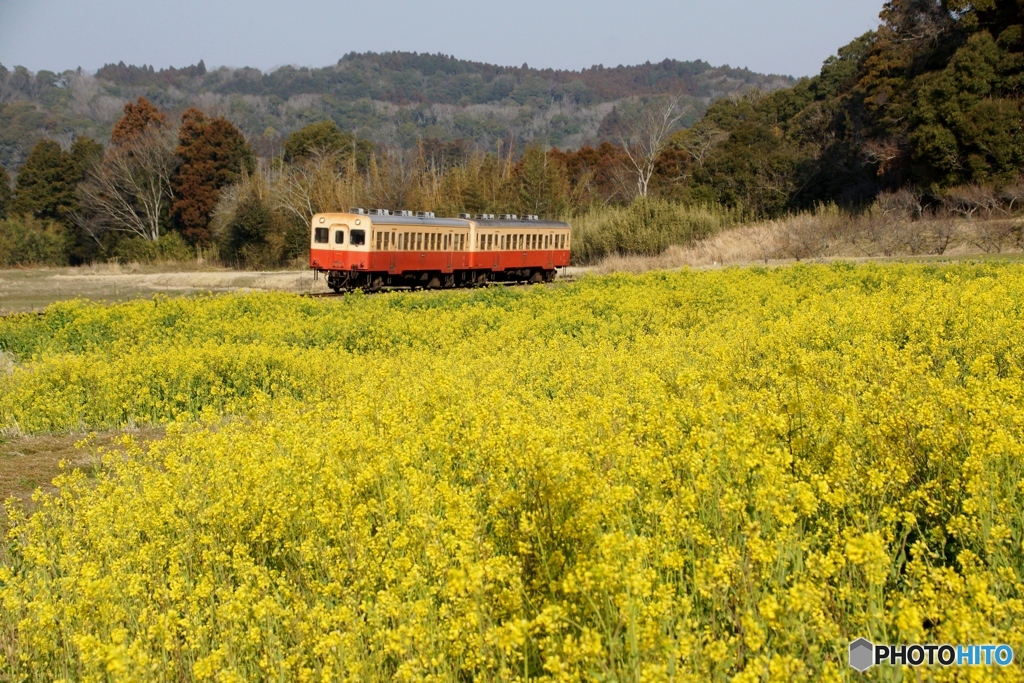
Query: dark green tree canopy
934,98
324,137
86,153
250,226
46,183
6,194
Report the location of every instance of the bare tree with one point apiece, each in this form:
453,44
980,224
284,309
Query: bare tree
644,136
702,138
130,190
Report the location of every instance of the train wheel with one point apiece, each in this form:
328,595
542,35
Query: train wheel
538,276
549,275
434,283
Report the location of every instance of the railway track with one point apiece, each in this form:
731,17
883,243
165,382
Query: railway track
384,290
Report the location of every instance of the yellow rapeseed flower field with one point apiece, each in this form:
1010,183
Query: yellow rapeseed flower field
674,477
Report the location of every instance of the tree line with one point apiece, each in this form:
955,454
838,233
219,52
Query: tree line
926,112
392,98
930,101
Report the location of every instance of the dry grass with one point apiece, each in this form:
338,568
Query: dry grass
829,234
33,288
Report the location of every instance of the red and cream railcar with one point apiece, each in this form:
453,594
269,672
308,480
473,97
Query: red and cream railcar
398,249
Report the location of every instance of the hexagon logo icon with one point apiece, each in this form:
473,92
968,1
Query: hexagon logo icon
862,654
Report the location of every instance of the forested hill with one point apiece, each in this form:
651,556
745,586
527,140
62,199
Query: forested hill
932,103
391,98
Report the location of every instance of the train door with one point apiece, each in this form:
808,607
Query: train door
337,238
496,247
393,252
549,251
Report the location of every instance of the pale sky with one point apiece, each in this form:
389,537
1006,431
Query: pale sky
790,37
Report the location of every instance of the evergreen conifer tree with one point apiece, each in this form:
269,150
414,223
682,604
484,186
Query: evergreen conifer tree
46,183
6,194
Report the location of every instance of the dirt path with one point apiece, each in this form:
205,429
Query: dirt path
28,463
30,289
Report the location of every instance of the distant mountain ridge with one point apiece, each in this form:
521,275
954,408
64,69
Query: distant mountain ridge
393,98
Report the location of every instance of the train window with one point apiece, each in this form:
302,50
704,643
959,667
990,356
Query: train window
433,241
380,239
321,235
339,237
357,237
387,240
462,242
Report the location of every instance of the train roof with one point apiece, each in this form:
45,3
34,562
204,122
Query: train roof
416,220
428,222
520,224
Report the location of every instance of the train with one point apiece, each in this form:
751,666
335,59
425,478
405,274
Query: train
377,249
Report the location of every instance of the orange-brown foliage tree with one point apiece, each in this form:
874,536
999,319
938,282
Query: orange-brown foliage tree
213,154
137,119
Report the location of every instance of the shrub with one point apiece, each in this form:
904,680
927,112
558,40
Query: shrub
647,227
170,247
28,241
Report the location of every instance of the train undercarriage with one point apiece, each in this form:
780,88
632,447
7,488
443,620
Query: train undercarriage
347,281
